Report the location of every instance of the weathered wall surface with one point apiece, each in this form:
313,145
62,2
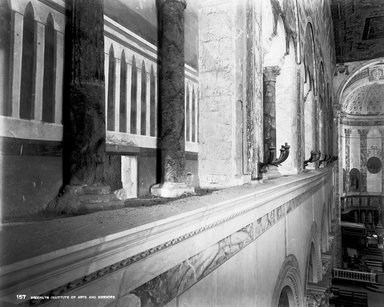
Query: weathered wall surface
231,91
297,37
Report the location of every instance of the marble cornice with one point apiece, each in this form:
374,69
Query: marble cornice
176,239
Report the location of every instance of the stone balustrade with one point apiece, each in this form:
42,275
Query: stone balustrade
354,275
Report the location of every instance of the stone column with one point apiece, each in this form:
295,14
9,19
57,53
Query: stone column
316,122
347,157
172,96
269,112
84,118
363,159
299,121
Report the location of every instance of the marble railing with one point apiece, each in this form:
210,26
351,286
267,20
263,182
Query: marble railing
354,275
131,90
361,201
162,255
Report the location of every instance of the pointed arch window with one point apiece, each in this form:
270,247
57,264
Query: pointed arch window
143,100
28,66
5,57
111,91
152,102
49,73
123,94
133,97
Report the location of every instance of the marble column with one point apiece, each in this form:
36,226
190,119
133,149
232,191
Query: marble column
316,123
87,93
172,95
363,159
84,114
269,112
299,121
347,157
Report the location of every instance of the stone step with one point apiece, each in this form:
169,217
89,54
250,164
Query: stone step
376,287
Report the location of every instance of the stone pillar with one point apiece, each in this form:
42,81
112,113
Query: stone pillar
269,124
363,159
87,103
172,95
316,122
269,113
347,157
84,118
299,121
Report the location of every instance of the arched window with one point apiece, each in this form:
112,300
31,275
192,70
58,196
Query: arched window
5,52
187,113
133,97
28,66
143,129
194,104
49,73
123,94
111,91
286,297
152,102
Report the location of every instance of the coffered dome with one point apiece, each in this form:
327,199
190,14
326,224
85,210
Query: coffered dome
365,100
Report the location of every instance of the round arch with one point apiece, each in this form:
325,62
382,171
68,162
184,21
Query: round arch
313,256
309,54
288,285
353,73
324,229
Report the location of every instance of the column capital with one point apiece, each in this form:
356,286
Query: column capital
271,72
348,132
363,132
162,3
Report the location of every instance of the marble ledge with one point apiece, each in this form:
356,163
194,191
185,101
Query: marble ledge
176,231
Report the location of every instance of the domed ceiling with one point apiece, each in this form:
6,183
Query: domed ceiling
365,100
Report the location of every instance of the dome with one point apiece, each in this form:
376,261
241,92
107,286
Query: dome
365,100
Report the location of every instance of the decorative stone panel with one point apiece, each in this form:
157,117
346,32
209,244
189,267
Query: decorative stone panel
347,156
363,159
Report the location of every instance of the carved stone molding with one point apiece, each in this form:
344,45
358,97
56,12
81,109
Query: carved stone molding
271,73
250,233
363,132
317,296
347,132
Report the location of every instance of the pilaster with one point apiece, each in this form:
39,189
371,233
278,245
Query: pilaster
363,159
347,157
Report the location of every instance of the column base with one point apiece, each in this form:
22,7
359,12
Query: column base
171,189
272,172
80,199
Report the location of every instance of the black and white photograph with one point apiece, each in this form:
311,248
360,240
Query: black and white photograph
192,153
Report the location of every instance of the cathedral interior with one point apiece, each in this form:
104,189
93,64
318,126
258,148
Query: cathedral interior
192,153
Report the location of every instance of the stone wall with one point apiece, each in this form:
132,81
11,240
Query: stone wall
236,245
